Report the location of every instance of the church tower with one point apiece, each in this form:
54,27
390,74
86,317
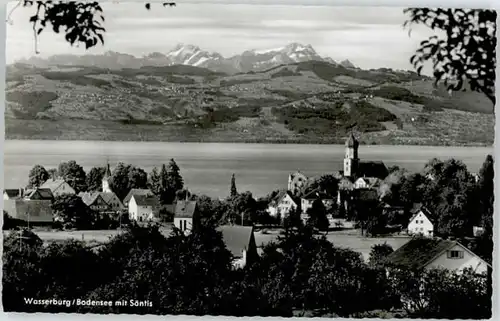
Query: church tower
105,180
351,159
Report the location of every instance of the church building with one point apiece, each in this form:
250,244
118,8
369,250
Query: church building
354,169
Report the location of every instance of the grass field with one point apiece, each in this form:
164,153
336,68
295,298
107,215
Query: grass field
350,239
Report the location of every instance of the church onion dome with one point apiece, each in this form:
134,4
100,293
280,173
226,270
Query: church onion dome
351,141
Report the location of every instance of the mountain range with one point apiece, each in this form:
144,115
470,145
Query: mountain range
187,54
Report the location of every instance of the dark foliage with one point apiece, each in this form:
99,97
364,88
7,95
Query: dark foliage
466,55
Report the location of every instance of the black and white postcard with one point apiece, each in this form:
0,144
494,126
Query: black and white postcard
231,159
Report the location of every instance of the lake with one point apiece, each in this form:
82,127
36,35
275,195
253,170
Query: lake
207,167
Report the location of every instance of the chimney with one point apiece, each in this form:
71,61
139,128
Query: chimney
21,192
187,195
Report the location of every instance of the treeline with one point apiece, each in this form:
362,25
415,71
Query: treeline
456,200
298,275
323,120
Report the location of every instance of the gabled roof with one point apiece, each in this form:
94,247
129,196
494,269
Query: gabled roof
109,196
45,193
146,200
185,209
317,194
34,210
11,193
282,194
417,207
372,169
415,215
53,184
419,252
136,191
237,238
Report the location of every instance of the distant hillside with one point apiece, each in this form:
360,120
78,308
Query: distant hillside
307,101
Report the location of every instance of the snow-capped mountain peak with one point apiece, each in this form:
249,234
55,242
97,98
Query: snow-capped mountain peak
188,54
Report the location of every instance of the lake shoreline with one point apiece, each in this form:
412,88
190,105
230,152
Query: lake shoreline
248,141
108,130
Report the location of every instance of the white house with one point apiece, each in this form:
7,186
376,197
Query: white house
58,187
143,208
367,182
420,224
136,191
283,204
185,215
427,253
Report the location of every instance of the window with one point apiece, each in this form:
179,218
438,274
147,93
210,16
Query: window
455,254
185,225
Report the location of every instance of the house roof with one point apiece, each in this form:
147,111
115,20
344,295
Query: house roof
419,252
45,193
366,194
317,194
35,210
417,208
53,184
282,194
13,192
109,196
236,238
136,191
146,200
372,169
185,209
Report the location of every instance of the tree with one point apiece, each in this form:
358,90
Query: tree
379,253
466,52
94,179
242,209
442,294
74,175
451,195
326,183
72,212
37,176
486,191
154,181
126,177
317,216
175,180
234,191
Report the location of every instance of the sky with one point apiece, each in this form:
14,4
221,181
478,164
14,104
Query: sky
370,37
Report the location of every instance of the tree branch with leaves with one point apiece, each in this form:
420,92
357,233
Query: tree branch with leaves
80,21
465,55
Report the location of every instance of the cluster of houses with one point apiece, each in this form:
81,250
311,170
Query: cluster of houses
360,181
33,206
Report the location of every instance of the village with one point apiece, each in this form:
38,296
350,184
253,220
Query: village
335,204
